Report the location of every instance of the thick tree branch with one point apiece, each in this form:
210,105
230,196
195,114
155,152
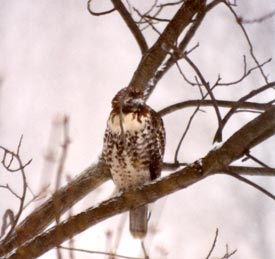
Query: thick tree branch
181,48
155,56
253,133
42,216
215,161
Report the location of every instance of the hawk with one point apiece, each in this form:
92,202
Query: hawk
133,149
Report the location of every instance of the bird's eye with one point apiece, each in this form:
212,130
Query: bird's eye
128,101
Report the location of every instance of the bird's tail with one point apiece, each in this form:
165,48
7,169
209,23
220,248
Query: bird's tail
138,221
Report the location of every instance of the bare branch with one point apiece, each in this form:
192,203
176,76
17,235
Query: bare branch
248,136
238,20
213,244
113,255
185,133
97,13
11,191
246,73
20,168
157,53
171,4
228,254
70,194
258,20
249,156
218,135
207,87
182,46
220,103
180,49
119,6
8,215
256,186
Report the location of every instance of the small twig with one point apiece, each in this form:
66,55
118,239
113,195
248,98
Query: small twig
171,4
258,20
8,215
156,18
20,168
207,87
99,253
11,190
259,188
213,244
97,13
218,135
184,133
246,72
249,156
227,254
251,49
146,256
184,76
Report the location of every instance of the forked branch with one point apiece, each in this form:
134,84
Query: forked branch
214,162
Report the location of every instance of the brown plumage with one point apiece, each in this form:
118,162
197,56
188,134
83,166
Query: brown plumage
133,148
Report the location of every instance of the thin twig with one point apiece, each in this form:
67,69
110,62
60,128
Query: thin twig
258,20
97,13
8,215
207,87
249,156
99,253
251,49
221,103
227,254
131,25
218,135
184,133
213,244
246,72
20,168
146,256
256,186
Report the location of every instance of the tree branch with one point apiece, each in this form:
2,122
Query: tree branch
155,56
218,135
215,161
131,25
181,48
247,170
41,217
220,103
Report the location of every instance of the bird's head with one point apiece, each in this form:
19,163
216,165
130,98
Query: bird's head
128,99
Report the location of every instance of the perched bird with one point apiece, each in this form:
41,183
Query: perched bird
134,144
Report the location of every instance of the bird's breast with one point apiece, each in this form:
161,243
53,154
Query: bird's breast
131,122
